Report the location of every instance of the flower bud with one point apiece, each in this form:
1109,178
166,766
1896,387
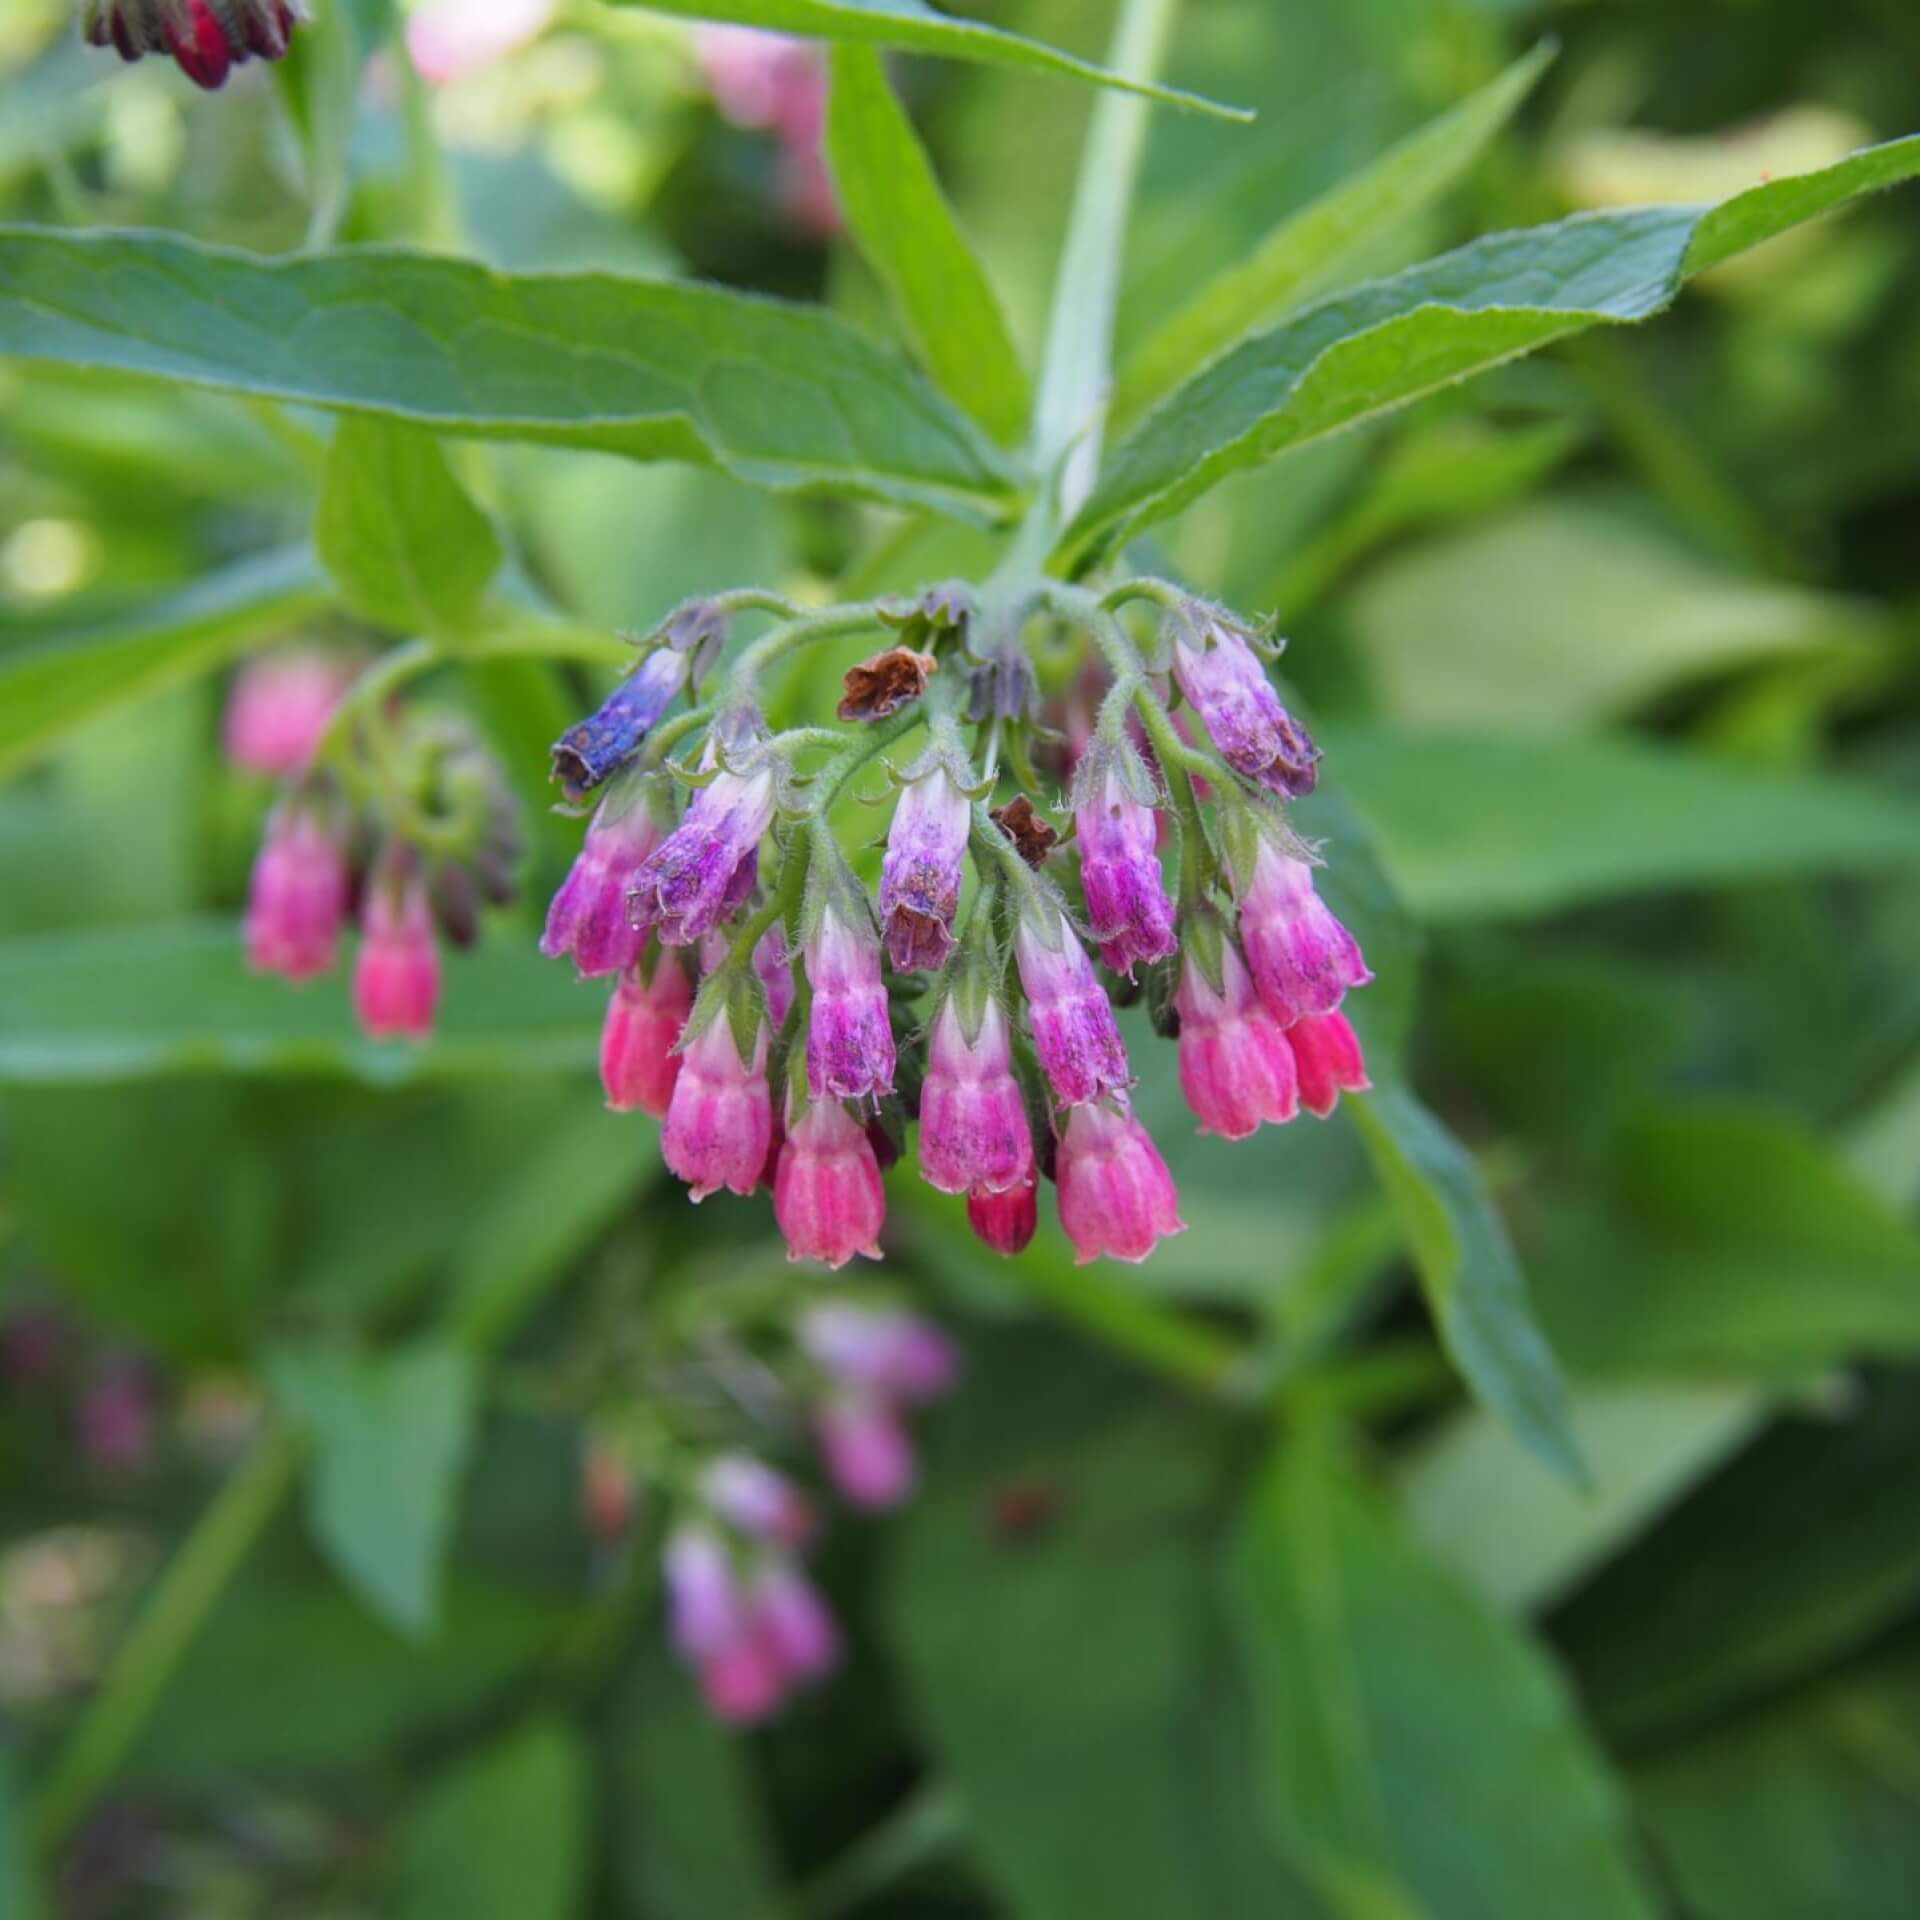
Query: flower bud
750,1495
1252,731
921,877
1327,1060
713,1627
279,708
693,880
974,1131
645,1018
1236,1068
850,1051
1303,959
720,1116
1073,1026
298,900
591,753
827,1193
1006,1221
890,1352
207,37
1117,1198
866,1448
1127,903
588,917
396,976
792,1620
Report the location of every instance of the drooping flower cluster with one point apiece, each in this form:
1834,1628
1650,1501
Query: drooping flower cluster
410,839
207,38
742,1611
976,993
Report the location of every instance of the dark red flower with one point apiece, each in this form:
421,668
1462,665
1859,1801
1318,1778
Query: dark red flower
208,38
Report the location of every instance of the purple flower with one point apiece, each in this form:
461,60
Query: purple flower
792,1619
880,1349
1253,732
1073,1026
693,880
587,755
750,1495
1302,959
589,916
867,1449
1127,900
850,1051
920,880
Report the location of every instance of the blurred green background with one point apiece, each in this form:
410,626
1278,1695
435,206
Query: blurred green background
1613,657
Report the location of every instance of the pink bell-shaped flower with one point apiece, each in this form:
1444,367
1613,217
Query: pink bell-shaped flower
1127,904
720,1117
1328,1061
1117,1199
1236,1068
1074,1033
645,1018
589,917
850,1049
921,877
396,975
297,904
1303,960
974,1131
827,1192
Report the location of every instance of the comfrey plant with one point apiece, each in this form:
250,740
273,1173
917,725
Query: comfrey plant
973,990
208,38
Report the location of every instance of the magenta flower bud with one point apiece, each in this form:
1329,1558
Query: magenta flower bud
1236,1068
750,1495
974,1131
1073,1026
1253,732
850,1052
882,1349
694,879
1327,1060
1117,1199
298,901
1127,903
588,917
207,37
396,976
279,708
792,1620
645,1018
1006,1221
868,1453
827,1192
1303,959
720,1117
921,876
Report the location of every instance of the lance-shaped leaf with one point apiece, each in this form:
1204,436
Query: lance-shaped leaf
1308,248
919,28
1388,342
905,227
781,395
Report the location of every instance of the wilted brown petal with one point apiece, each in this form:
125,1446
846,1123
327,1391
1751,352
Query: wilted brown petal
1032,838
886,683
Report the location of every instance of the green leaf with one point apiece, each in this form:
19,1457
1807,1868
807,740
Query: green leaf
502,1837
1598,611
67,1017
686,1833
1412,1744
1392,340
898,214
1478,1502
18,1899
784,396
409,550
920,28
1803,1807
51,685
1472,1282
1308,248
1094,1630
389,1436
1476,828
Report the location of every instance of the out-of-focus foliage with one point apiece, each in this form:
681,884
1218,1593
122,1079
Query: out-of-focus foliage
1223,1592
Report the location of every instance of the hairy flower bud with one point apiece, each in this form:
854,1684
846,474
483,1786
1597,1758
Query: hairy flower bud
638,1064
750,1495
1006,1221
396,975
867,1450
1327,1060
850,1050
209,38
279,707
694,879
1236,1068
1073,1026
827,1192
1117,1199
1253,732
720,1117
921,877
1303,959
589,754
974,1131
588,917
1127,903
297,904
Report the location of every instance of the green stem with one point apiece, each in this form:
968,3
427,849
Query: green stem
828,625
150,1654
1078,370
